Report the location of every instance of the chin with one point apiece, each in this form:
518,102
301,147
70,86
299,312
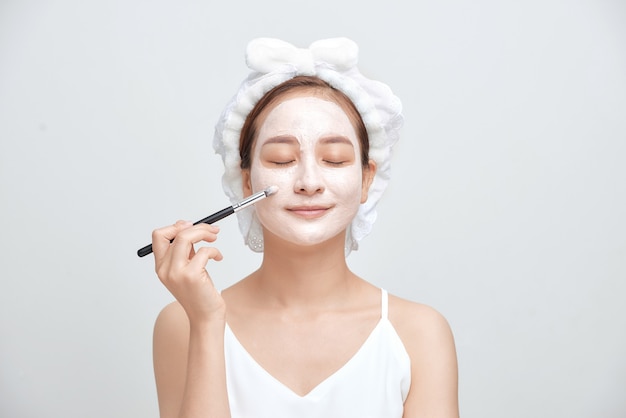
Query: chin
309,239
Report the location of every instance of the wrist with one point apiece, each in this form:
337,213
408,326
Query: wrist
214,323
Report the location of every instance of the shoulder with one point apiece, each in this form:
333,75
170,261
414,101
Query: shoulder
412,319
172,314
428,339
171,328
424,331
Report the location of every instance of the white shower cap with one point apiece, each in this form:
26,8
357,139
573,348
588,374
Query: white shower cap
273,62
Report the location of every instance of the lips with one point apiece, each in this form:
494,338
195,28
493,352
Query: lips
309,212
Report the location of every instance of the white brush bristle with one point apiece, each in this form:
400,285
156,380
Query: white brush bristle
271,190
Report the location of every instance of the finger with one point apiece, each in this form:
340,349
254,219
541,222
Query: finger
202,257
210,238
182,248
162,237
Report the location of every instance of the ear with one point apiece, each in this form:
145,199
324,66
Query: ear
247,184
368,177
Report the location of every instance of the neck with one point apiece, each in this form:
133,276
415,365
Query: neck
305,277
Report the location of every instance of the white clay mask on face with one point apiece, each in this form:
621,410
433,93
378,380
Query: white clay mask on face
309,149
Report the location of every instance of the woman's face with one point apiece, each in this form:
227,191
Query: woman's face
307,147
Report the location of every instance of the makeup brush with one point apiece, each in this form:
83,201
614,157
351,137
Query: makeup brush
222,213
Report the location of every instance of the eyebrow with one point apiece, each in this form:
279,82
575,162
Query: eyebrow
290,140
336,140
281,139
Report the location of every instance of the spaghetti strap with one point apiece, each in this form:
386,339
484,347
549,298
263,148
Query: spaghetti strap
384,306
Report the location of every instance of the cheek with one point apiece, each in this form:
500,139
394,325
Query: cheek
262,178
346,184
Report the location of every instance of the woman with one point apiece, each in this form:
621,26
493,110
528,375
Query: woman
302,336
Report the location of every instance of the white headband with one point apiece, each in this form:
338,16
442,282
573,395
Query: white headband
333,60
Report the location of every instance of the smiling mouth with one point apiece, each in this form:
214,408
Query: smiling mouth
309,212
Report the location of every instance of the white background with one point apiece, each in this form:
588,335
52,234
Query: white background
506,209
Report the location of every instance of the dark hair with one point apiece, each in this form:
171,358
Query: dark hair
299,83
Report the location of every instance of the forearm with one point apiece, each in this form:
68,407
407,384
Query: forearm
205,387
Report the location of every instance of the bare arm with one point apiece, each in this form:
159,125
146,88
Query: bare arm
189,334
189,366
434,375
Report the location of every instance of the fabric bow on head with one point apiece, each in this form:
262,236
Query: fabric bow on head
266,55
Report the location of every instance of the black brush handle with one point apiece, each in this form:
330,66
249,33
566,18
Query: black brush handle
144,251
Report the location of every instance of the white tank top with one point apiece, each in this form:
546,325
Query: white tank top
373,384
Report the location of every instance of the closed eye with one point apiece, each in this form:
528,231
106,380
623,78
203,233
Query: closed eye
338,163
282,162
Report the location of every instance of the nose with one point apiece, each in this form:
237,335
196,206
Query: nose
309,179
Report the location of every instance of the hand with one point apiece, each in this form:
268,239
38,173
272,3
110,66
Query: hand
183,270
